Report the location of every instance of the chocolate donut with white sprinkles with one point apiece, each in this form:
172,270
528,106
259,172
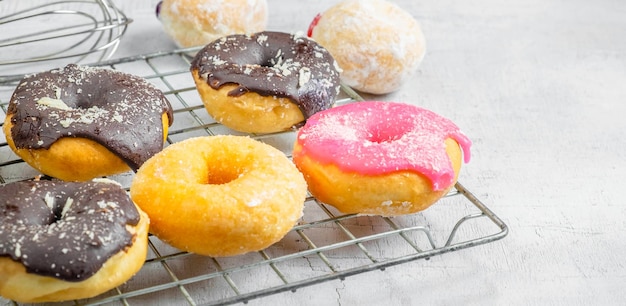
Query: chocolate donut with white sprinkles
68,238
77,123
265,82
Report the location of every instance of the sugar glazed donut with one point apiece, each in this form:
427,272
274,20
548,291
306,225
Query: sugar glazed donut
376,43
220,195
78,123
380,158
68,240
193,23
264,83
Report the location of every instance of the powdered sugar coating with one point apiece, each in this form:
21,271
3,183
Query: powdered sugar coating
377,44
374,138
197,22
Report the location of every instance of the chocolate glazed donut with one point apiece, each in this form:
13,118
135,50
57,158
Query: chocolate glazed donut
64,230
271,64
119,111
64,241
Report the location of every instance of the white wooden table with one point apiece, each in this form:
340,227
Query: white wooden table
539,88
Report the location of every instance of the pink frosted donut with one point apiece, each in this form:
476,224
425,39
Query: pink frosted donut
380,158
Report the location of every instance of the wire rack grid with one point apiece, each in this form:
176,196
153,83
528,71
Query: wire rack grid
325,245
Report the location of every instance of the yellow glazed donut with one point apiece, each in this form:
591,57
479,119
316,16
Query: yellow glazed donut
78,123
376,43
266,82
193,23
380,158
220,195
68,240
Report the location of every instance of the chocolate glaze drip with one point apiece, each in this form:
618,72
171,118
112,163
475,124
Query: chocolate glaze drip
272,64
122,112
65,230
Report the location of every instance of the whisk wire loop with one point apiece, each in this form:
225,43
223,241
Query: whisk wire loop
65,31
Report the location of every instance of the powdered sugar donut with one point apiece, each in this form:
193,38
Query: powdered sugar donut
401,159
197,22
376,43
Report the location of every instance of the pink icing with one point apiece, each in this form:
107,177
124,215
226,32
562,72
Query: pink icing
374,138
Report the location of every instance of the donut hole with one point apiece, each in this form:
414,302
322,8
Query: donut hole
269,59
59,207
384,137
273,61
386,133
50,212
86,96
83,104
86,101
219,175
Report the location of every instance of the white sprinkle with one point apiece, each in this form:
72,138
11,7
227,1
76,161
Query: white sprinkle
106,181
261,39
304,76
217,61
49,200
66,122
298,35
54,103
67,206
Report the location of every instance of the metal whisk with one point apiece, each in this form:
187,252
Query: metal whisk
53,33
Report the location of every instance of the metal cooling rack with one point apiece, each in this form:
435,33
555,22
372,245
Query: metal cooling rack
325,245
